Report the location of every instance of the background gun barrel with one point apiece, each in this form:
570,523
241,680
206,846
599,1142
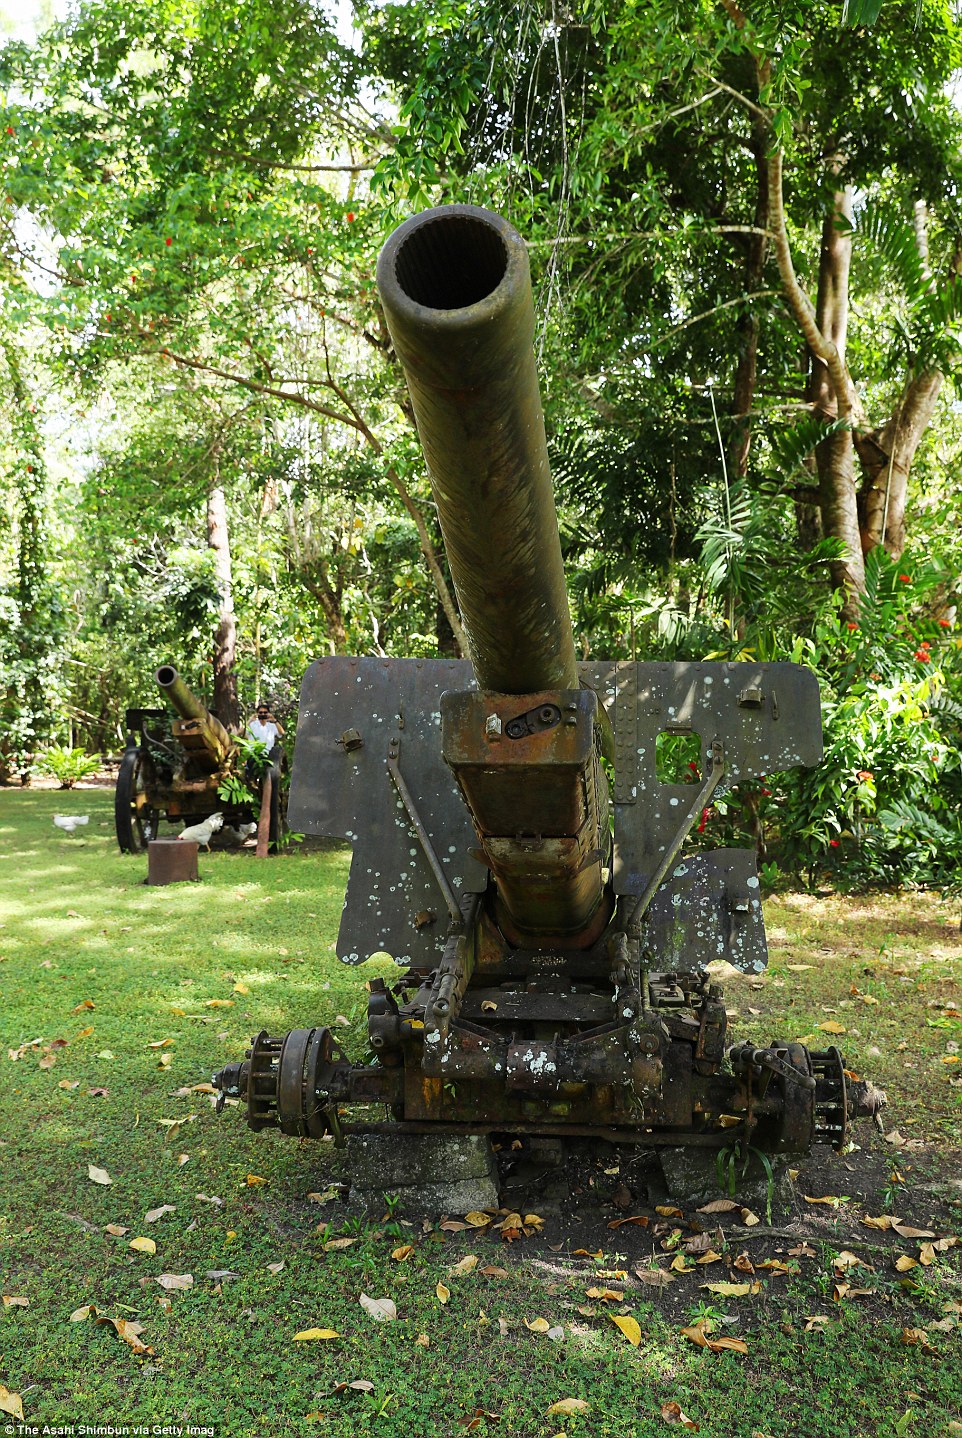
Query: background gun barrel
215,738
456,290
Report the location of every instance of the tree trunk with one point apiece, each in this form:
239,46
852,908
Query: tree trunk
225,636
748,325
886,457
835,456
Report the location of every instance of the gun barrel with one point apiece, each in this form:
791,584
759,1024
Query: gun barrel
208,732
456,291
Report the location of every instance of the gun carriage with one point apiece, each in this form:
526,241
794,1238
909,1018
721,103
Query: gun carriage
552,930
173,768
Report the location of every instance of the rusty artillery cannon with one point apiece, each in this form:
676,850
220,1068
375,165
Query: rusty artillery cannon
174,769
553,931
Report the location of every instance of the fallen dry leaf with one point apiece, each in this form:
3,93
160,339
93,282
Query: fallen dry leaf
831,1027
748,1218
400,1254
903,1263
467,1265
667,1211
654,1277
422,1341
116,1230
253,1180
154,1215
10,1302
568,1405
309,1334
476,1219
175,1280
333,1244
587,1253
11,1403
718,1205
606,1295
884,1221
829,1199
639,1220
383,1310
490,1270
276,1267
143,1245
538,1325
905,1231
917,1337
698,1333
84,1004
729,1290
443,1293
629,1327
671,1412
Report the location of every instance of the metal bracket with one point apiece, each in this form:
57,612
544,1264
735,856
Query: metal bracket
424,839
713,779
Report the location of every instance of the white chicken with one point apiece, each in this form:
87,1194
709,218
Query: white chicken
69,822
201,833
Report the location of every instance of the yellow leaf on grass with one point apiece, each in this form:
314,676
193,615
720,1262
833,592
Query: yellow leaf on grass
568,1405
143,1245
116,1230
729,1290
10,1302
311,1333
334,1244
11,1403
680,1264
84,1004
478,1220
253,1179
467,1265
884,1220
400,1254
903,1263
607,1295
629,1327
443,1293
240,988
218,1003
538,1325
98,1175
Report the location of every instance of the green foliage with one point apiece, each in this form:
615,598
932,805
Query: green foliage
67,765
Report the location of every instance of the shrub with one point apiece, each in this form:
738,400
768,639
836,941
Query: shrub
67,765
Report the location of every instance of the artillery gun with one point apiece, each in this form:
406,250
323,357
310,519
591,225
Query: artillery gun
552,932
174,769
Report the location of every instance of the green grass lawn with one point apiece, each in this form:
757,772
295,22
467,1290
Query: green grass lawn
119,999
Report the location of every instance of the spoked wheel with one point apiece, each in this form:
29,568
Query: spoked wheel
135,818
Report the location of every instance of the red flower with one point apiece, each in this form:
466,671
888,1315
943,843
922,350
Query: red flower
944,624
350,217
168,241
925,644
767,793
923,656
906,578
851,625
9,129
833,843
865,774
